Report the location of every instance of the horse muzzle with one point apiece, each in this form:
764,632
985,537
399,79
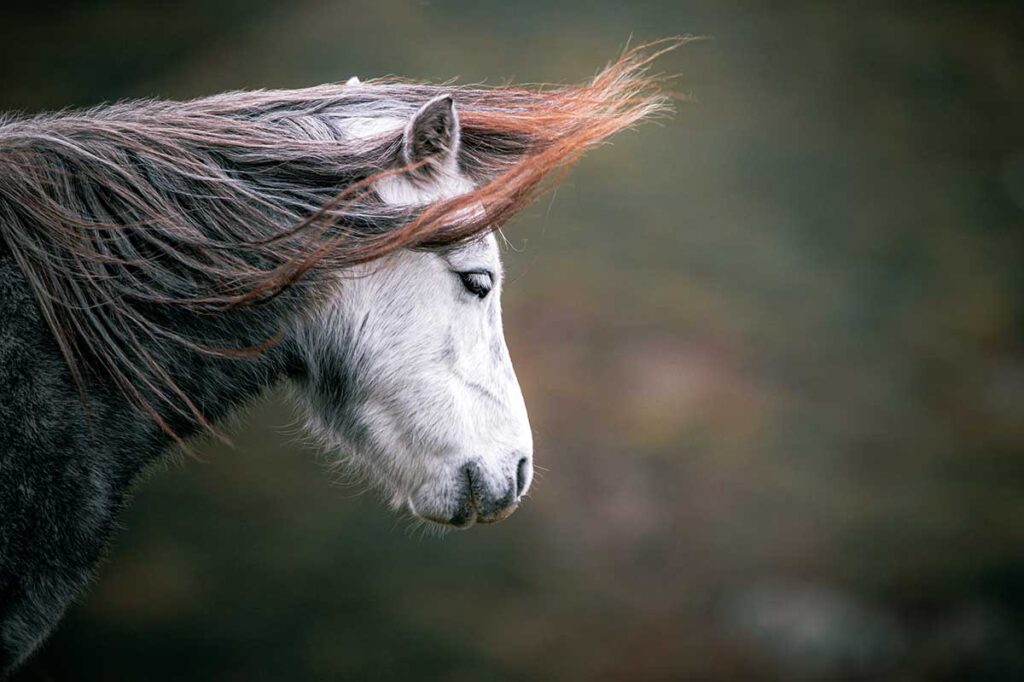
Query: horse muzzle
476,499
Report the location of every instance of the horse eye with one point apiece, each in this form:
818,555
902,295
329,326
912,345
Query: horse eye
477,282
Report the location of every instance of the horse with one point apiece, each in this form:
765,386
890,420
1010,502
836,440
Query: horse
162,263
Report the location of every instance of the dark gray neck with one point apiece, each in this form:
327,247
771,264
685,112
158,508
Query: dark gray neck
66,464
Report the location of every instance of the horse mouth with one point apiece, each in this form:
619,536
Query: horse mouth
465,517
458,521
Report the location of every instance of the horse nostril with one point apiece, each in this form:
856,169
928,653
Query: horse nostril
471,477
522,472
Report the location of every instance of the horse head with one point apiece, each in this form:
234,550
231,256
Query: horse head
406,375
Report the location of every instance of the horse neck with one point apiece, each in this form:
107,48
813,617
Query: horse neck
47,416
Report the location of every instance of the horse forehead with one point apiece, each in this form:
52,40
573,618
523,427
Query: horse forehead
397,190
480,252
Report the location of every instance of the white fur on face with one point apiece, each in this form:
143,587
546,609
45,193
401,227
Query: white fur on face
408,375
412,379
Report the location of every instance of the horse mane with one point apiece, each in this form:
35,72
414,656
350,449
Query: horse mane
225,202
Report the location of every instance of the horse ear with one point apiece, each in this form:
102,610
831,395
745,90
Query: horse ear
432,135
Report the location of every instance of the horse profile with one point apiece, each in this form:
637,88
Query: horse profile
162,263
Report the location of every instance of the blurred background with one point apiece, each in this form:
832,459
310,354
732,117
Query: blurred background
772,348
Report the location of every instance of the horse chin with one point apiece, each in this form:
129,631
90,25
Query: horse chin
465,519
459,520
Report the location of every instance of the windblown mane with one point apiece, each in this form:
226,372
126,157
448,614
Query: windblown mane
227,201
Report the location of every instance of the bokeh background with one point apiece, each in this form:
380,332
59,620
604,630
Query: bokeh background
773,351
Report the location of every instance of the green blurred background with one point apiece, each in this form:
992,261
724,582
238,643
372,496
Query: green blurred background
772,348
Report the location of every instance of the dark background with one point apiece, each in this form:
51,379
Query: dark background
772,351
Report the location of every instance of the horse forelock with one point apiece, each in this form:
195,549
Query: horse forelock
225,202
